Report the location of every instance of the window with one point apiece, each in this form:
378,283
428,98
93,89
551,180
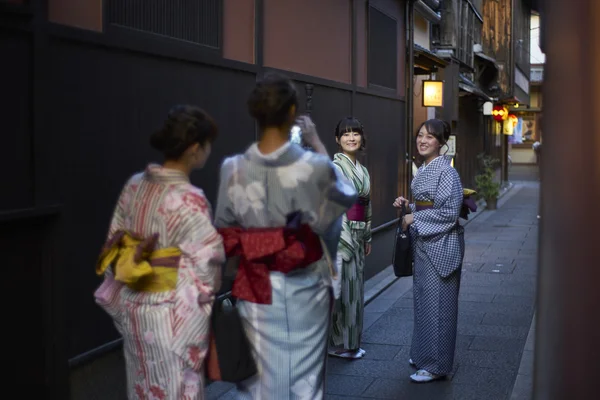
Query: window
195,21
382,67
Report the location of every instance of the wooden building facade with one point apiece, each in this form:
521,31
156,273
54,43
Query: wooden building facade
87,81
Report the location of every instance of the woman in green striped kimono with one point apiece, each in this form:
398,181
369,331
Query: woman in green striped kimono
354,245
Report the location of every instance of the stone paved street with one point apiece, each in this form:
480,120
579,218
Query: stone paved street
496,309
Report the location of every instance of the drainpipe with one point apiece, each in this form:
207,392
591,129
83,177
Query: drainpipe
433,4
427,10
410,73
511,88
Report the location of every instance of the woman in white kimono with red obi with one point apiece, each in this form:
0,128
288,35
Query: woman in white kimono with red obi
438,250
277,204
162,265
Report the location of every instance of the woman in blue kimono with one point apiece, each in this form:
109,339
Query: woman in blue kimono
276,202
438,249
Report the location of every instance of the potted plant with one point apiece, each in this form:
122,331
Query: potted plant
487,188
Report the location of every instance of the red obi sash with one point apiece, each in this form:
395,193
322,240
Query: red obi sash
358,211
261,250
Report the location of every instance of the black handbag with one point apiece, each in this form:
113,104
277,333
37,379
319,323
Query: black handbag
403,257
229,357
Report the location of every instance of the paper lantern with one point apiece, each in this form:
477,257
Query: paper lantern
433,93
500,113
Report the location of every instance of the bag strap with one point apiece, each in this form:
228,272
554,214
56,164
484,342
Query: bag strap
403,213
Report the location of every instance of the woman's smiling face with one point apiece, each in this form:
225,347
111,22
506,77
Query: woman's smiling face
427,145
350,142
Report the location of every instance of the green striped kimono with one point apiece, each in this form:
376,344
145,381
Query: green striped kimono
347,320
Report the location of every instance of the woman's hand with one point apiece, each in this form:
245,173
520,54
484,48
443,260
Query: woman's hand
407,221
310,135
400,201
367,248
309,129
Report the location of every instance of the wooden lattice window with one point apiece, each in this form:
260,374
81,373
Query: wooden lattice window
195,21
382,64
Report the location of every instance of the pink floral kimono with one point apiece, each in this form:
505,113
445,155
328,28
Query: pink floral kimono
165,328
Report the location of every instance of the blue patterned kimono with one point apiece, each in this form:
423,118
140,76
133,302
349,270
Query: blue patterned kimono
289,336
438,246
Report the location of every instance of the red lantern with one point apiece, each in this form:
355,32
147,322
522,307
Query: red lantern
500,113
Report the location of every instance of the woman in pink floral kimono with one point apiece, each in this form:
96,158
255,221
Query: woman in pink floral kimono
162,264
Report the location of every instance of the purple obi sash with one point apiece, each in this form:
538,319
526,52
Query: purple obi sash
358,211
423,205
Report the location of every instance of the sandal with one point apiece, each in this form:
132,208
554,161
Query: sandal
422,376
351,354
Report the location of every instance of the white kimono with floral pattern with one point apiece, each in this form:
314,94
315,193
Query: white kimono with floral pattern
165,335
289,336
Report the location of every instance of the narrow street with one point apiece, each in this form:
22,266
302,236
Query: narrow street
494,356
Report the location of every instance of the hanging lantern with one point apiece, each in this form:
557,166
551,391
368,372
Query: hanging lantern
500,113
513,119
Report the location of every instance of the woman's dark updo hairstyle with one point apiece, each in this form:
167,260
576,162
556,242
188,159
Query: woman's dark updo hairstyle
185,125
351,124
437,128
271,100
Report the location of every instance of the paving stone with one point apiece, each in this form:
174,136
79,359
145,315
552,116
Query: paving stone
510,319
464,341
380,304
510,245
369,368
402,388
404,303
370,318
347,385
389,330
460,391
381,351
465,318
502,331
403,354
493,343
475,289
406,314
497,381
505,360
475,297
519,301
498,267
471,266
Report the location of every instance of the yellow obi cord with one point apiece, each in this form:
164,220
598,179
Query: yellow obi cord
137,264
468,192
423,203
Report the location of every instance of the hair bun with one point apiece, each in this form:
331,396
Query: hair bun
447,130
184,126
159,139
271,100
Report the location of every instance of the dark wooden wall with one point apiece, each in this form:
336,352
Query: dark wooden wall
469,139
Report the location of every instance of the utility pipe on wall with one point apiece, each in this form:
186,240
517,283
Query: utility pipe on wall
410,73
427,12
